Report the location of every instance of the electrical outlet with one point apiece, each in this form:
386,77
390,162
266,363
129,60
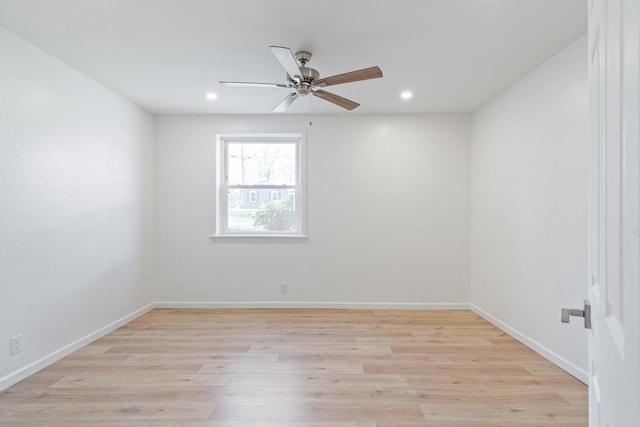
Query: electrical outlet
15,345
284,288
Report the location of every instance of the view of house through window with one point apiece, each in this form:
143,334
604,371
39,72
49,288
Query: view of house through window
261,182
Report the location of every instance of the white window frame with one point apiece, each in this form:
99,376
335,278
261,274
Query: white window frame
222,186
276,194
253,196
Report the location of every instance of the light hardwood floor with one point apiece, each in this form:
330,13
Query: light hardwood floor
295,368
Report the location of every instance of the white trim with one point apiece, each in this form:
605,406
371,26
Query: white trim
543,351
314,304
221,201
257,237
298,139
33,367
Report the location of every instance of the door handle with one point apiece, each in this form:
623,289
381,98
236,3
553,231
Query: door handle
576,312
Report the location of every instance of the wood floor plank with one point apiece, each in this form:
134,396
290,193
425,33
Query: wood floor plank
299,368
319,411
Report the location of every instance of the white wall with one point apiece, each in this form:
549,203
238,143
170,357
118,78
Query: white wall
529,206
388,214
389,203
76,198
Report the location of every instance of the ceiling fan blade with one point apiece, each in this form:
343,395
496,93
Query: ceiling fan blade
287,59
253,84
285,103
338,100
353,76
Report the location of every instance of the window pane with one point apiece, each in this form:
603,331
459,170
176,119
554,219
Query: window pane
261,164
263,214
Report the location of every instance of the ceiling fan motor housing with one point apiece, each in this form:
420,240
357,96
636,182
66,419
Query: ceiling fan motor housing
306,80
307,74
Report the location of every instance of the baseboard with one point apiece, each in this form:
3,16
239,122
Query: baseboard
545,352
313,304
32,368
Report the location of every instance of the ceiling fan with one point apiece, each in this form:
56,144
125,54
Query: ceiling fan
304,80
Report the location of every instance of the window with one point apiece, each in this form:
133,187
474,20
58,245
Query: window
259,185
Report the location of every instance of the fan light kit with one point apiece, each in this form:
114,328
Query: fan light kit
305,80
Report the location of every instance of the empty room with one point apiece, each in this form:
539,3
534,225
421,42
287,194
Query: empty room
319,214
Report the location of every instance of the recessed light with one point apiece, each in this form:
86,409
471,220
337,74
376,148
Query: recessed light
211,95
406,95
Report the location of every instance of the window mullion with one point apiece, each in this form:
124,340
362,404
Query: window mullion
260,187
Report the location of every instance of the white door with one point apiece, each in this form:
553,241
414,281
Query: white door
614,341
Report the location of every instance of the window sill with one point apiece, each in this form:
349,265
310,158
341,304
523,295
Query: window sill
258,238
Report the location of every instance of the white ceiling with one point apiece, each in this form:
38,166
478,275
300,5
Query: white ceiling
166,54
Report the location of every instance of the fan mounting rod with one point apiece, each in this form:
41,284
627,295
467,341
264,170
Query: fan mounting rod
303,57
